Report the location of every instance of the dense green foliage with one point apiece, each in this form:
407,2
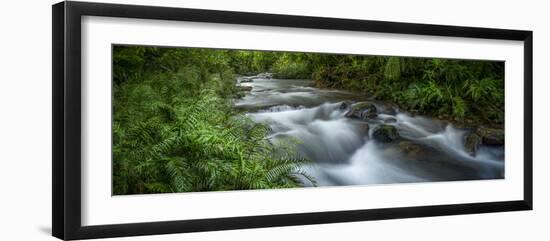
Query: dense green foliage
292,66
174,129
460,90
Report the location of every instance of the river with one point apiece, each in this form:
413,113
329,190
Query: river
342,149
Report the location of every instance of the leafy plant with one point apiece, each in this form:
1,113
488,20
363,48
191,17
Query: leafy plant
174,129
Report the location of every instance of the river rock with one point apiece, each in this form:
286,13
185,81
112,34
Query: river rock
245,88
389,108
415,150
385,133
239,95
265,75
390,120
245,79
345,105
362,111
491,136
471,143
364,127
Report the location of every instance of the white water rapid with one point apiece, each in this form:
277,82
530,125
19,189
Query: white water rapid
342,149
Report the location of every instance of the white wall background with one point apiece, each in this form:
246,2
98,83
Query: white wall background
25,119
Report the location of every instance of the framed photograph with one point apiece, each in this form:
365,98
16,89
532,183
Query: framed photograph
169,120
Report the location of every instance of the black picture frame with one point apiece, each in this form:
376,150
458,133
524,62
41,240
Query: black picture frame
66,47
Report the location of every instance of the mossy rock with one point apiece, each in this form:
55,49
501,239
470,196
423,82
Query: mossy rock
491,136
415,150
471,143
385,133
362,111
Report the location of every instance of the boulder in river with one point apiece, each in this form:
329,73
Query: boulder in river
245,88
491,136
390,120
362,111
385,133
389,108
472,142
364,127
245,79
265,75
424,154
415,150
345,105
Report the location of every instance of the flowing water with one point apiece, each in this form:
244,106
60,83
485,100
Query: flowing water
342,149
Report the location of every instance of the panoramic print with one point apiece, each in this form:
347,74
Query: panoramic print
198,119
